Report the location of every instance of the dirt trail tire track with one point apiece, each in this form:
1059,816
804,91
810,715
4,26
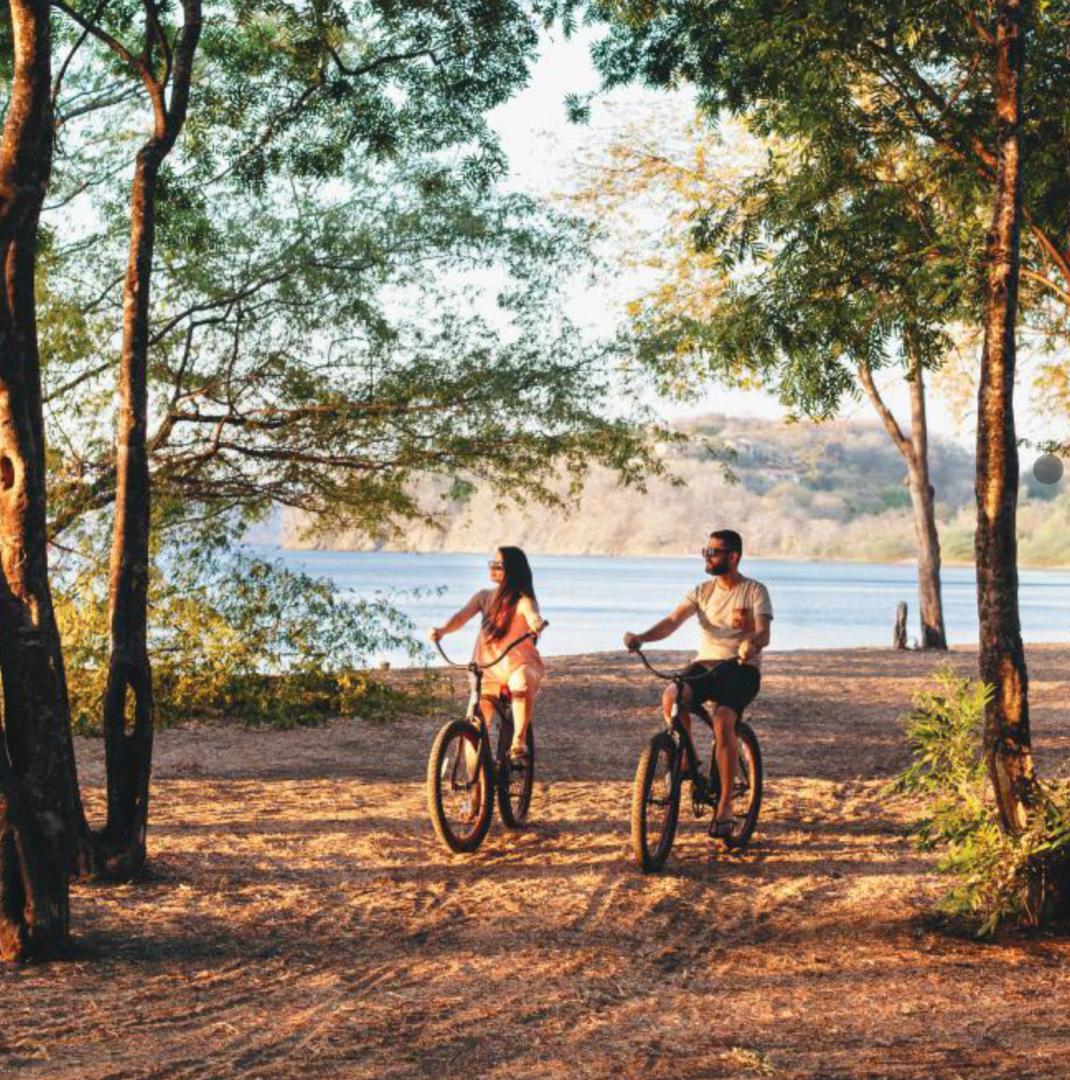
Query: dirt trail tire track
301,919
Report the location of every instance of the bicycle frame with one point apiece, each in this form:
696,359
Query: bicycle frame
679,732
474,715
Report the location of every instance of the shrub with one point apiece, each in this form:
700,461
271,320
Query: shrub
998,877
239,637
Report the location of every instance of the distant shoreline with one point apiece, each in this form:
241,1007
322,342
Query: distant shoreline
949,563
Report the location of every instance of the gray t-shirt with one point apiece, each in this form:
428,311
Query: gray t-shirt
725,615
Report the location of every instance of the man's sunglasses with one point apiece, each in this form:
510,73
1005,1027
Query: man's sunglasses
709,553
496,565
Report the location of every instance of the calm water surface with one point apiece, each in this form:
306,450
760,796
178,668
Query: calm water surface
591,600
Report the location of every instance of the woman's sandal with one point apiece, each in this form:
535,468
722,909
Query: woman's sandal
518,759
723,830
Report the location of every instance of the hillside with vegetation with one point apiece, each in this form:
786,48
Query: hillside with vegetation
832,491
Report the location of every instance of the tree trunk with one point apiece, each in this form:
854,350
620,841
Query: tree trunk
128,741
899,634
41,820
1002,658
915,451
922,498
128,696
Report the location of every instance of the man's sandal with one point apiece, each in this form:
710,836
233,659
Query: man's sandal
723,830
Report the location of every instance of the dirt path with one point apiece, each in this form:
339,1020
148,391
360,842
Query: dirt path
303,922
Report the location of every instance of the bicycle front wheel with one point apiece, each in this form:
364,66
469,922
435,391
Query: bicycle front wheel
655,804
459,791
515,782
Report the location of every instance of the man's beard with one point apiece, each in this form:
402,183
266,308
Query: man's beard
716,569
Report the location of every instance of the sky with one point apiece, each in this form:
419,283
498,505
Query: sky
544,148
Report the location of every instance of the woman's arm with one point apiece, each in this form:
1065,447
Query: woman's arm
458,618
529,608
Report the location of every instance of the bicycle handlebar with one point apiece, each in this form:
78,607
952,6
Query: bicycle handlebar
667,676
473,666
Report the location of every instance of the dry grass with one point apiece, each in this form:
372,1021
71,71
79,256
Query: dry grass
301,920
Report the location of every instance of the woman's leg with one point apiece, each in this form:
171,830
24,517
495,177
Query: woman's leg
524,685
486,707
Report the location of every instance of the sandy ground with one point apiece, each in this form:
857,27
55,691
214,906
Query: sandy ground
302,921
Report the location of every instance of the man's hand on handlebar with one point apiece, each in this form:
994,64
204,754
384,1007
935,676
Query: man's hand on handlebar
434,634
632,642
747,649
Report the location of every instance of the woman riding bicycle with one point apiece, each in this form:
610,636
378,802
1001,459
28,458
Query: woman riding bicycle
508,611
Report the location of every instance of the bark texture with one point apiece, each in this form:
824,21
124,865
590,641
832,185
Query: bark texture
42,827
1002,659
915,452
128,699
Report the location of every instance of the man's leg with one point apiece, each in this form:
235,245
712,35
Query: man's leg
724,730
668,699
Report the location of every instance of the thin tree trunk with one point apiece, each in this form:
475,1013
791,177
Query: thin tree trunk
128,741
128,698
922,497
1002,659
41,820
915,452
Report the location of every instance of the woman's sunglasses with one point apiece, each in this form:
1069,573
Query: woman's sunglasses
496,565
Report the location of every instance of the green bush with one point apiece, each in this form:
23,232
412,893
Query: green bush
998,878
243,638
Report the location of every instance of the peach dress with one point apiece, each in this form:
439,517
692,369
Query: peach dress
523,669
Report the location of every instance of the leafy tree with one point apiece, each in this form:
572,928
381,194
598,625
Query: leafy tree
164,64
806,279
257,272
943,84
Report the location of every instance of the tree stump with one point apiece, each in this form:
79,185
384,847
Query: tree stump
899,640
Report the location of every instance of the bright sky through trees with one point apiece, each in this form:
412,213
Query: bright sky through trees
544,147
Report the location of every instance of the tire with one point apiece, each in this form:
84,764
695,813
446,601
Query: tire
654,790
455,770
514,785
747,798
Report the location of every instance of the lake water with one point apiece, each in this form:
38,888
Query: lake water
590,600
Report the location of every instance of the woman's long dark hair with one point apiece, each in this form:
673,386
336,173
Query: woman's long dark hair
515,584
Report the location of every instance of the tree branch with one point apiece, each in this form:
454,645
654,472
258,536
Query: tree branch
902,443
74,48
158,31
113,43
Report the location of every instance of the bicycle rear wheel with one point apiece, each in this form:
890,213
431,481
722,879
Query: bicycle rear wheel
459,794
655,803
515,783
747,793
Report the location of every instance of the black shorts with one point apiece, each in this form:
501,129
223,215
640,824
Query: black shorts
728,683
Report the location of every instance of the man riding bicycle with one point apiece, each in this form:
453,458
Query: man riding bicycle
734,613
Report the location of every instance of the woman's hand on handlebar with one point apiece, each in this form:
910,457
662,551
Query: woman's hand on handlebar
434,634
632,642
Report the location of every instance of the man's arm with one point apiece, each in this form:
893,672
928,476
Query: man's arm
758,639
669,625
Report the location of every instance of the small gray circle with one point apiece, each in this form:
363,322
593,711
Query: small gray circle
1048,469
